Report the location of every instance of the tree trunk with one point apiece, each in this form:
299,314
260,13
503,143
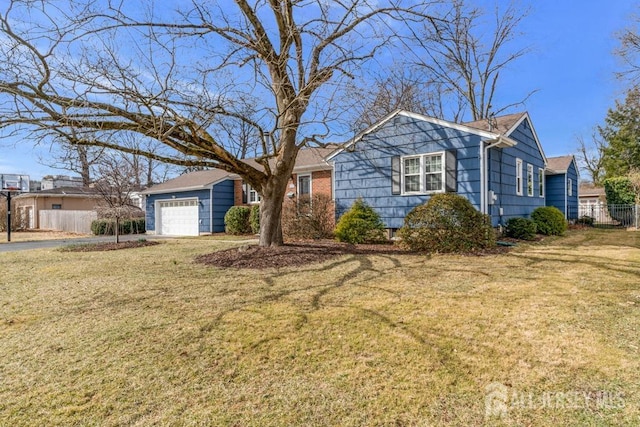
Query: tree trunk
271,211
117,230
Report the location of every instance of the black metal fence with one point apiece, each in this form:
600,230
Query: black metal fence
607,216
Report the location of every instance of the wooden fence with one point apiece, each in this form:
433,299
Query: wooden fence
71,221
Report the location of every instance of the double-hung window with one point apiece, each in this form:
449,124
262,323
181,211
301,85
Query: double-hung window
530,180
253,196
423,174
519,177
569,187
541,182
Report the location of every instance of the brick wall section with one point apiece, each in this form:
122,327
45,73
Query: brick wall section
320,184
237,192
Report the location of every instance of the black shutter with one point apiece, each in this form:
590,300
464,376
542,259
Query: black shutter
395,175
244,193
451,172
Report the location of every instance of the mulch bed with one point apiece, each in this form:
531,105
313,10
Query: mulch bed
291,254
304,253
109,246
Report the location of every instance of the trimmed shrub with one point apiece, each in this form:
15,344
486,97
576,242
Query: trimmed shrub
107,227
585,220
254,219
308,218
447,223
521,228
360,224
549,221
236,220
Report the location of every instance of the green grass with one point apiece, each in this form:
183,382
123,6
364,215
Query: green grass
147,337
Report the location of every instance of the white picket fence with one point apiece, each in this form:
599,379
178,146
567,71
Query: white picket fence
71,221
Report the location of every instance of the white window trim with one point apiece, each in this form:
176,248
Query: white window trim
519,177
250,191
541,186
422,190
530,180
569,187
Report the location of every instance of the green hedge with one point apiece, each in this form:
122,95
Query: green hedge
236,220
254,219
521,228
107,227
549,220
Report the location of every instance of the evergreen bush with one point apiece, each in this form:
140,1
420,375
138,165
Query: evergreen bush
360,224
254,219
446,223
521,228
236,220
549,221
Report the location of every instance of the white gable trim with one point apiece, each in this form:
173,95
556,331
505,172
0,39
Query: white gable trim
524,117
191,188
444,123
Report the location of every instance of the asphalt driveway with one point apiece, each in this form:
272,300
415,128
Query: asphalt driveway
22,246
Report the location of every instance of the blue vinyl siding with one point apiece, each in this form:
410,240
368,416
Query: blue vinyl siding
222,201
366,171
556,186
502,176
558,195
572,201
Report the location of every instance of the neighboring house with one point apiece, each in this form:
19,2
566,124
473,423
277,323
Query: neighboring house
44,209
591,199
398,163
195,203
562,185
50,182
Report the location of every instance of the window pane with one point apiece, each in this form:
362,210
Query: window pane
412,166
433,163
304,185
412,183
433,182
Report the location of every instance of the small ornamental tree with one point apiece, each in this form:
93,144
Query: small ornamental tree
549,221
360,224
447,223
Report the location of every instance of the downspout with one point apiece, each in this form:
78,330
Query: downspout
484,172
211,209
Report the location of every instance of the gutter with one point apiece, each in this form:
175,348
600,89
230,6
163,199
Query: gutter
499,142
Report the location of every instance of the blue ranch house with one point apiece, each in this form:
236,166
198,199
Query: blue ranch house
398,163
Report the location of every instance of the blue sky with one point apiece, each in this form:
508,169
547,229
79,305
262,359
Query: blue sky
571,66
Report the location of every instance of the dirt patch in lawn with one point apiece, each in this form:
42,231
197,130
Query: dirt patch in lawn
109,246
291,254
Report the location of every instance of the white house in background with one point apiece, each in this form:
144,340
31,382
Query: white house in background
50,182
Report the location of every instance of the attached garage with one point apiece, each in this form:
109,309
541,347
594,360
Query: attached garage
191,204
177,217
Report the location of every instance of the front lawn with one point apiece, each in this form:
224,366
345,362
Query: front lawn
147,336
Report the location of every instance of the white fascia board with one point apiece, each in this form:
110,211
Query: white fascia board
524,117
313,168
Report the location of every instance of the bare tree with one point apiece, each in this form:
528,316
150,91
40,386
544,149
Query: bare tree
401,87
80,159
629,52
591,157
464,59
107,68
115,184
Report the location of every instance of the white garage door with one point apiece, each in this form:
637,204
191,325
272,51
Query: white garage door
178,217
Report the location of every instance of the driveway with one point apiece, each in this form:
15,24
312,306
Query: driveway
22,246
